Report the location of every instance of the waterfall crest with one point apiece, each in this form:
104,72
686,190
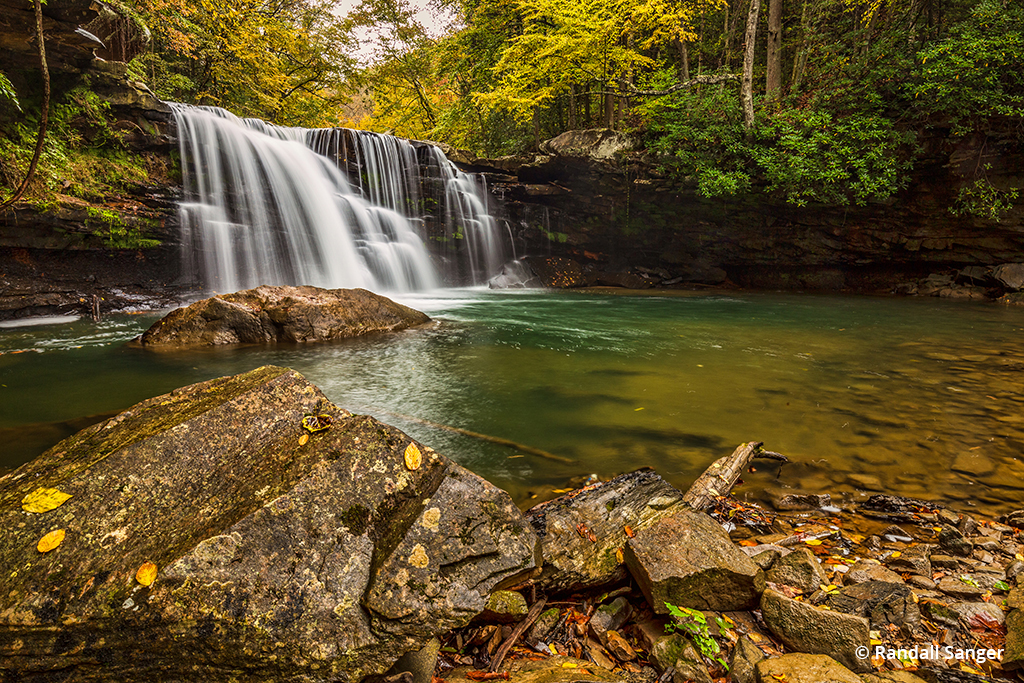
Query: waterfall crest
327,207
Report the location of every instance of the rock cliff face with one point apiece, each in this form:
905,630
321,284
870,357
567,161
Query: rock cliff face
589,198
65,257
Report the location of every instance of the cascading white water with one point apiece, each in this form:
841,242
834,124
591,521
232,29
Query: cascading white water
272,205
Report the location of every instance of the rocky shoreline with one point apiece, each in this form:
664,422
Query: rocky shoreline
292,540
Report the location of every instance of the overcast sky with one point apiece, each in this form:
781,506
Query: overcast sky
434,20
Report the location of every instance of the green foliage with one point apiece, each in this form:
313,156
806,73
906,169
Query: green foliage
7,91
82,156
115,232
805,155
693,623
815,156
975,72
982,200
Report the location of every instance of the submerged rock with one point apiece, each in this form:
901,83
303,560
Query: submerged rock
279,553
267,315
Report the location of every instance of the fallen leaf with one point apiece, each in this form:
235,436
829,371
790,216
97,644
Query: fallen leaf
569,665
50,541
413,457
812,541
304,439
44,500
146,574
896,554
317,423
618,556
629,531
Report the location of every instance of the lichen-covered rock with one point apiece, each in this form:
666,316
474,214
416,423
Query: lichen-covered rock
267,315
578,557
806,628
804,668
687,559
280,554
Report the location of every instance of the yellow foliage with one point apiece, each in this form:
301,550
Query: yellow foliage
146,574
413,457
44,500
50,541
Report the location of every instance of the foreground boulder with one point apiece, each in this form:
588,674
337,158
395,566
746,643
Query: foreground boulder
280,552
266,315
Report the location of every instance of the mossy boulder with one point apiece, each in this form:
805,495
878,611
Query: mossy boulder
280,554
268,315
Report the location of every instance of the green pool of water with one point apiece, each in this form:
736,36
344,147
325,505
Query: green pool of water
920,397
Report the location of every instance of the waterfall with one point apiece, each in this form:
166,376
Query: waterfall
328,207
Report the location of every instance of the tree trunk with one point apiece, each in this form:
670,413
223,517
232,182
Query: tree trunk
773,85
609,110
800,61
747,88
684,60
44,112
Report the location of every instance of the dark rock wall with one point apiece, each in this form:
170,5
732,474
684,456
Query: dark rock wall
617,211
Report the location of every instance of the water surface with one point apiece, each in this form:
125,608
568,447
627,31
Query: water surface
921,397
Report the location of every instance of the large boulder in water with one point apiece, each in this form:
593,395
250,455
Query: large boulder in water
280,554
266,315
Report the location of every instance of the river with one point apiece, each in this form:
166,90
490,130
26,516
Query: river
917,397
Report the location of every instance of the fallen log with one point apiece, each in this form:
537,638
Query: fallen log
721,475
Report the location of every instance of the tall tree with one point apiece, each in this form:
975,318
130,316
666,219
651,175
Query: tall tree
773,85
747,86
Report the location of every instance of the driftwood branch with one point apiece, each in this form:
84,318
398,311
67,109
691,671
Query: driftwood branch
483,437
519,630
719,478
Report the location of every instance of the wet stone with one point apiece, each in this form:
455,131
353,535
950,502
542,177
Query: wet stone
799,569
806,628
688,560
870,570
914,560
804,668
745,658
880,602
958,588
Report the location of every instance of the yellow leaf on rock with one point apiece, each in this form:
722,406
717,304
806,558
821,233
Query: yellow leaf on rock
44,500
812,541
146,574
896,554
304,439
569,665
50,541
413,457
618,556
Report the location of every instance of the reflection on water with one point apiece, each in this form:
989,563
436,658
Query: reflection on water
919,397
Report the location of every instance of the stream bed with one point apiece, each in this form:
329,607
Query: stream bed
916,397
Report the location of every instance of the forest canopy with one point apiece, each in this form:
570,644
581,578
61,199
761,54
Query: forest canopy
808,100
